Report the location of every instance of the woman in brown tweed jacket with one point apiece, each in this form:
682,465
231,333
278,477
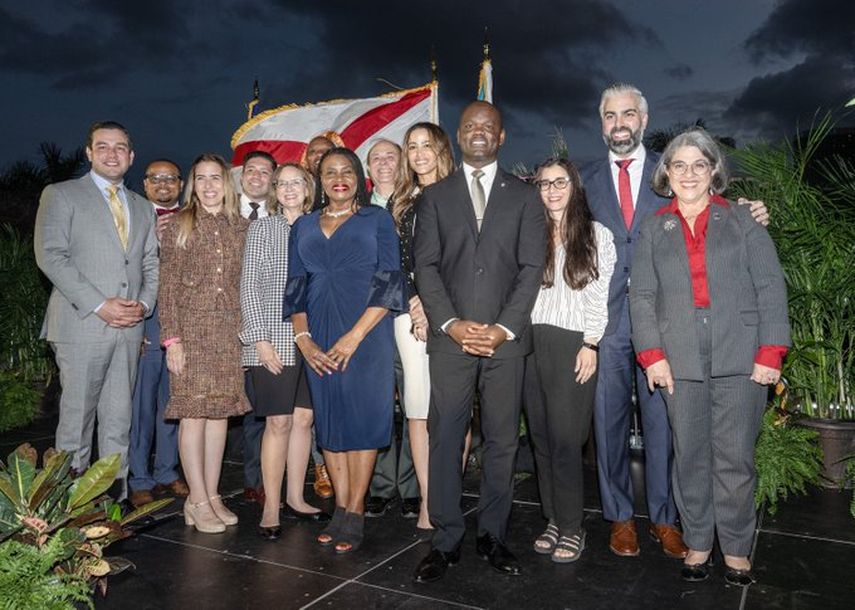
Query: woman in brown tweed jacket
201,254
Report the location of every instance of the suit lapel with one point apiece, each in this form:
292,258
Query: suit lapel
101,210
716,225
610,200
465,200
675,243
135,208
494,201
648,202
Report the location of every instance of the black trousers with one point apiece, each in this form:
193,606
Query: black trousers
499,383
558,410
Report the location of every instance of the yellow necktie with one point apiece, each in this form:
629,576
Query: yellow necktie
119,217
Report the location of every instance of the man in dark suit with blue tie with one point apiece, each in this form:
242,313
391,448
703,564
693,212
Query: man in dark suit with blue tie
620,197
480,245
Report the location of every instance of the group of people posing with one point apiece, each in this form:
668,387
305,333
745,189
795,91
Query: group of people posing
293,302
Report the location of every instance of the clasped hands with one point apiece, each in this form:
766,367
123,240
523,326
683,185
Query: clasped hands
335,358
121,313
476,338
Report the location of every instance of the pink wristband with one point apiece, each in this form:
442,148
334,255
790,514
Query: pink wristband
170,341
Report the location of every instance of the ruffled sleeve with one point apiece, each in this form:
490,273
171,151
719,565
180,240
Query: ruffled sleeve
294,299
388,286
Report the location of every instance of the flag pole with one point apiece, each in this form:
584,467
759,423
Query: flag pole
250,107
434,104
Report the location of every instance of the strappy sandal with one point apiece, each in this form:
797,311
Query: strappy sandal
331,531
545,543
351,534
569,548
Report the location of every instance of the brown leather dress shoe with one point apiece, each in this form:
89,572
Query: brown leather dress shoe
624,539
251,494
177,488
322,485
141,497
671,540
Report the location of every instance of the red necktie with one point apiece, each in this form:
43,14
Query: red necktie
625,191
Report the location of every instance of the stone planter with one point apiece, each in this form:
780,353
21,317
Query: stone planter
837,439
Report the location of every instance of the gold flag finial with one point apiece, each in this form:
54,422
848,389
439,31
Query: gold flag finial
486,44
250,107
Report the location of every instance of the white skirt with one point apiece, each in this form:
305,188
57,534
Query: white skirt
414,360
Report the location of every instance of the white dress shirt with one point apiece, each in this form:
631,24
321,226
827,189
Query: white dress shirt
246,209
635,169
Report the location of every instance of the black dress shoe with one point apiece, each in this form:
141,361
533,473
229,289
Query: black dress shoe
319,517
434,566
270,533
377,506
493,550
739,578
410,507
695,572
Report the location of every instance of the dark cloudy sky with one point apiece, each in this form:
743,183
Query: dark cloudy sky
178,74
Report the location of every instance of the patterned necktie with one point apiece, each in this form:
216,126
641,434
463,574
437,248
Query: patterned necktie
119,217
254,214
479,200
625,191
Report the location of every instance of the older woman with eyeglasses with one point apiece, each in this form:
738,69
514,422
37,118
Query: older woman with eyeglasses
568,320
709,322
276,367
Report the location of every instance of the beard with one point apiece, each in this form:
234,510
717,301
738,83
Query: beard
622,147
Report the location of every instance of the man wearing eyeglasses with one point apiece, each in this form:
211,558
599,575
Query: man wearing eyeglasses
162,184
620,197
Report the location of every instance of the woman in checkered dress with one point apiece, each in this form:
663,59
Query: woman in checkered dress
278,375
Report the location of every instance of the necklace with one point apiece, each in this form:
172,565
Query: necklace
327,212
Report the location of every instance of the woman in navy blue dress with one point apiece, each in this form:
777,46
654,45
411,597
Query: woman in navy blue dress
344,278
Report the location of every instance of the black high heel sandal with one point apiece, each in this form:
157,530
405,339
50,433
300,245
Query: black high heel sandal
351,534
332,530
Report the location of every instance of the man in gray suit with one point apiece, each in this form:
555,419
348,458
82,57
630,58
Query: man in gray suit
95,241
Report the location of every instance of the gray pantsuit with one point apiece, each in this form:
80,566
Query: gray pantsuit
715,409
715,424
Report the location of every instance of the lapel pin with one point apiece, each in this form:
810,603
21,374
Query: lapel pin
716,215
502,185
670,224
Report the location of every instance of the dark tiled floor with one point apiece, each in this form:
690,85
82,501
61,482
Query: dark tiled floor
803,559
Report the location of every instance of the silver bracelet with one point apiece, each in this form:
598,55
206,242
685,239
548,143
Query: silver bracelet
305,333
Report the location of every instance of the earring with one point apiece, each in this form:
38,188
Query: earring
670,192
323,198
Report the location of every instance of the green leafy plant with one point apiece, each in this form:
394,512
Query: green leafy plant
787,458
19,401
70,520
28,580
22,306
812,206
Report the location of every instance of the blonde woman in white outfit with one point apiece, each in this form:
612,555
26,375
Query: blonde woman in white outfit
427,159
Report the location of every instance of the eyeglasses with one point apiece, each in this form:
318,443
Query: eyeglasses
163,178
559,183
699,167
294,184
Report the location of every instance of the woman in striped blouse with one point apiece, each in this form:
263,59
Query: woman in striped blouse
568,320
277,370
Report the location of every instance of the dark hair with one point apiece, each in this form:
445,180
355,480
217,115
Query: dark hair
577,233
259,154
163,160
361,191
107,125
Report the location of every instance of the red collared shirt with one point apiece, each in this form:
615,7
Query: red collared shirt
767,355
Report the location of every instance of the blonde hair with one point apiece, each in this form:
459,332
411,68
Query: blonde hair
186,218
404,195
273,205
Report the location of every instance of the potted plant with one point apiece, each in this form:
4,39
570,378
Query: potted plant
54,529
812,206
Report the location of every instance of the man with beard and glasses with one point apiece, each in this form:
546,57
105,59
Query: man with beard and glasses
620,197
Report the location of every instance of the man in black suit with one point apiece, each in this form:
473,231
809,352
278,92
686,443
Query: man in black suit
479,248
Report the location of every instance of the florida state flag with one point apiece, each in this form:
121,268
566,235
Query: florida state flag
285,132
